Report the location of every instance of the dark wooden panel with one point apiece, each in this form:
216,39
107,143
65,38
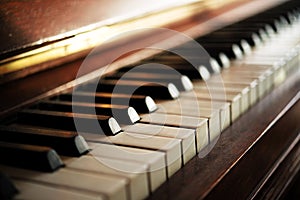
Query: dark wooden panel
293,191
27,23
285,182
252,170
204,177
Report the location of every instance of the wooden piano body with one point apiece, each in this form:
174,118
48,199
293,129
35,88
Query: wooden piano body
256,157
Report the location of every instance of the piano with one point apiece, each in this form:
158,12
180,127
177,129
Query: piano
194,99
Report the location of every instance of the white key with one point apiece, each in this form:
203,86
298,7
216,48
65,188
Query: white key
170,146
213,117
185,103
262,87
155,160
200,126
187,136
36,191
241,85
235,79
234,100
103,185
230,90
136,173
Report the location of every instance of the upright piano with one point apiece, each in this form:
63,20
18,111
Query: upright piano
194,99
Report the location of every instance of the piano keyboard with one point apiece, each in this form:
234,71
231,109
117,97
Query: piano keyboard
142,137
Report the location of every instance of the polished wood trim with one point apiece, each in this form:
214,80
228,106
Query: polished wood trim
244,152
277,186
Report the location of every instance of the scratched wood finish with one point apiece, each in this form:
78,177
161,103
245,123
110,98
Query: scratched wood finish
217,176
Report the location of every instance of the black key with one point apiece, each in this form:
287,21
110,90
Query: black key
178,62
164,68
64,143
7,189
156,91
189,67
182,82
215,50
29,157
267,18
232,51
245,27
252,26
256,27
66,121
142,104
123,114
229,36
